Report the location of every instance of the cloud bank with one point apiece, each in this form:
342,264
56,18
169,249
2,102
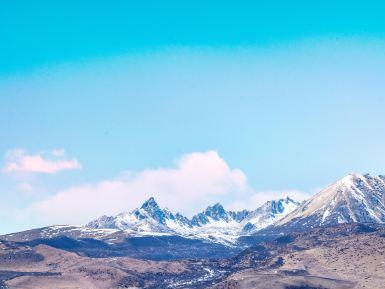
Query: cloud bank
18,160
195,180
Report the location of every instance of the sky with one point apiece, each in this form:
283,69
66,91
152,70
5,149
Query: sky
103,105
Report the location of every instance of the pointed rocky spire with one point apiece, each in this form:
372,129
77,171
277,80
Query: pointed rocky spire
150,204
154,211
217,212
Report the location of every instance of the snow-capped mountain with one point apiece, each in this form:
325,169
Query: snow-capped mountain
355,198
148,218
214,223
269,213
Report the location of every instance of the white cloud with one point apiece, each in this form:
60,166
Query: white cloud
196,180
18,160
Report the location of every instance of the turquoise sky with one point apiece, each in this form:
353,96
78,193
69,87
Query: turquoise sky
38,33
293,95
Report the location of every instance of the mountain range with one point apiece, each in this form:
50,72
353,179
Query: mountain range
215,223
355,198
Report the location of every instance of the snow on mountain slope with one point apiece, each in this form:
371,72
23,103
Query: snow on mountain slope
149,218
214,223
269,213
353,199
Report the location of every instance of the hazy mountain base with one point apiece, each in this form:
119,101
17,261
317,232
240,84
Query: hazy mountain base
97,243
344,256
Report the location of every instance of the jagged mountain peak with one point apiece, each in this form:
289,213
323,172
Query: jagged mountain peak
215,209
153,211
215,222
150,204
217,206
353,179
269,213
217,212
279,206
358,198
288,200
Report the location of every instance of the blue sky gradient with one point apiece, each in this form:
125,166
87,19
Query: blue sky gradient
52,32
293,95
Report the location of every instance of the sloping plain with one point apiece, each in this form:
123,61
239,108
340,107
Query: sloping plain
344,256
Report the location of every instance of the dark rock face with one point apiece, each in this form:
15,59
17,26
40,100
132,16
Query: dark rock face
153,210
240,215
248,227
199,220
217,212
149,247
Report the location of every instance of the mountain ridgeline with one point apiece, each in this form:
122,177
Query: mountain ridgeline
152,232
214,223
353,199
